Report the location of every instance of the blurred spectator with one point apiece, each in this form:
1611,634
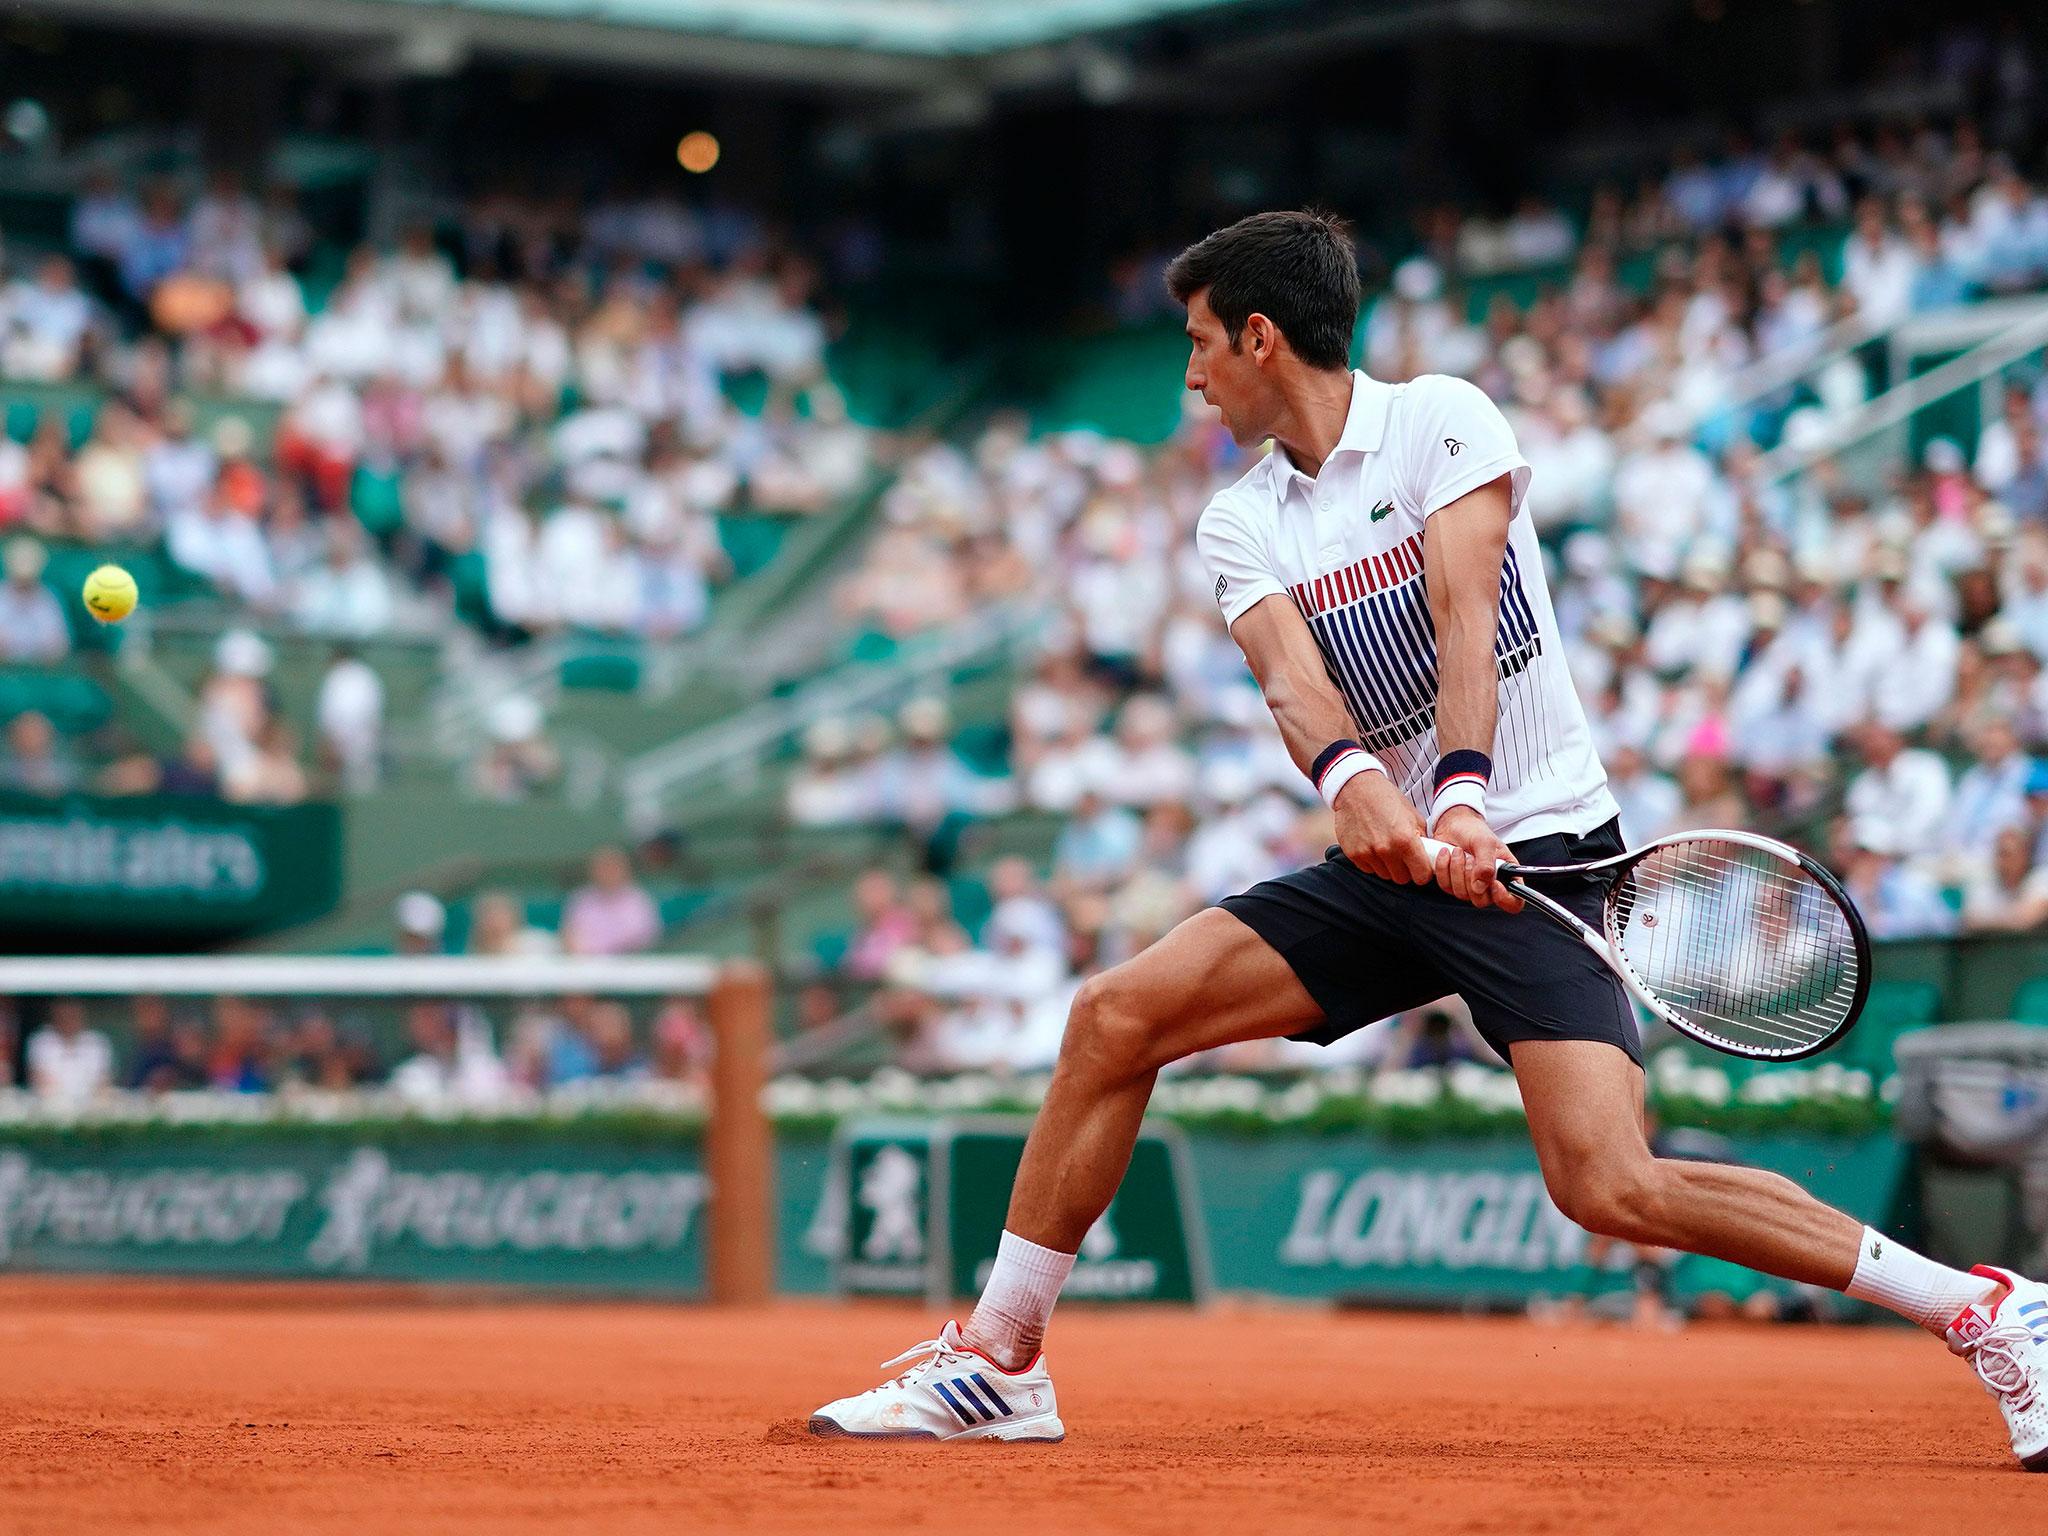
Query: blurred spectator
349,716
169,1055
32,626
498,926
520,759
885,926
36,762
2008,894
682,1042
1897,900
453,1060
421,921
1902,794
348,593
609,1028
69,1064
239,1060
269,774
611,915
44,325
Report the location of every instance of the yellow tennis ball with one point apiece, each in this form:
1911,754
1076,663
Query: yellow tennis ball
110,594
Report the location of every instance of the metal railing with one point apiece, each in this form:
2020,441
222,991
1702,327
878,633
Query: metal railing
2018,330
735,748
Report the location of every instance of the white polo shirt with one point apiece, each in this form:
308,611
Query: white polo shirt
1346,549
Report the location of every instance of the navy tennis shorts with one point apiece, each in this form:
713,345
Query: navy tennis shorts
1366,948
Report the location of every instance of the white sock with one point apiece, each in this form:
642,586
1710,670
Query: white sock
1009,1321
1911,1284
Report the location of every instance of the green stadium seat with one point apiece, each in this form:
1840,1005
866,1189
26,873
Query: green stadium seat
1894,1008
972,904
375,497
752,541
607,671
2030,1003
73,703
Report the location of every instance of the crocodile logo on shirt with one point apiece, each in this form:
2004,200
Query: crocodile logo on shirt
1384,509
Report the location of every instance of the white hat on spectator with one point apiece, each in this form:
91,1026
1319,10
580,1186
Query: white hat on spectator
232,437
242,653
1816,567
1706,570
1587,553
1229,781
1943,457
1614,630
1418,280
924,719
1996,523
1665,420
1766,567
1657,561
420,914
1121,464
2001,637
1805,430
515,718
1873,834
25,560
827,739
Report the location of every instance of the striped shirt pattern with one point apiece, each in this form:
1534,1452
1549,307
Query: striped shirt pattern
1371,620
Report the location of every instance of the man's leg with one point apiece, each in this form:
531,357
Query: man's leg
1210,982
1584,1100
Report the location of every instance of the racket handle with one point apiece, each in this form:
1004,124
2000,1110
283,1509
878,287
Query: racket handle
1433,848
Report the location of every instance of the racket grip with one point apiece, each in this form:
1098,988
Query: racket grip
1433,848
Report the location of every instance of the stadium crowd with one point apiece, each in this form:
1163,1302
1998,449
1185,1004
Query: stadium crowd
1856,665
432,1053
555,413
541,442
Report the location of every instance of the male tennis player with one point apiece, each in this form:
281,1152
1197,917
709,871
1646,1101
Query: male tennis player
1380,572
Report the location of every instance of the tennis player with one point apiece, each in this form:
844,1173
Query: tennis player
1380,573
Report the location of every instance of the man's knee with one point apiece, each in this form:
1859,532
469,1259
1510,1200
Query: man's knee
1108,1030
1626,1201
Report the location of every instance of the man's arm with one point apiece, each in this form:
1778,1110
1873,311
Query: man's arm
1377,828
1463,546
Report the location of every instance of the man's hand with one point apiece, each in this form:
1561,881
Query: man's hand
1467,872
1380,831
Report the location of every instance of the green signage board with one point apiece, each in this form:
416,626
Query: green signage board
561,1212
1449,1220
923,1204
906,1208
147,871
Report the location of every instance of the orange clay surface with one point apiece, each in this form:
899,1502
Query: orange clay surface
147,1407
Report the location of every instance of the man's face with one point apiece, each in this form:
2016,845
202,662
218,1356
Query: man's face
1228,378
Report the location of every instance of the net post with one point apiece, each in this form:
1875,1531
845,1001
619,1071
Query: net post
739,1146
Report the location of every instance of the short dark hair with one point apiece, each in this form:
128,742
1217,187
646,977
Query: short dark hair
1297,269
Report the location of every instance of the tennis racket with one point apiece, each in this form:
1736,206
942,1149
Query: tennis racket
1738,941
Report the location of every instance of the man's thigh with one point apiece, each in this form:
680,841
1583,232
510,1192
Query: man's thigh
1211,981
1584,1100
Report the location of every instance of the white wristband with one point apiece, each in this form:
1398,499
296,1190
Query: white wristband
1344,770
1465,789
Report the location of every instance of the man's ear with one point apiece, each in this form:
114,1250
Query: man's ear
1261,337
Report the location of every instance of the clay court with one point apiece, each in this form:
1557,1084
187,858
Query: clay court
151,1408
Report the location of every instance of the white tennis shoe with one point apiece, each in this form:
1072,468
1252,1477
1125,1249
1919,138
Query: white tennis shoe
2006,1343
954,1392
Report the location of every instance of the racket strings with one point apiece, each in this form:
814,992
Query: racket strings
1742,942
